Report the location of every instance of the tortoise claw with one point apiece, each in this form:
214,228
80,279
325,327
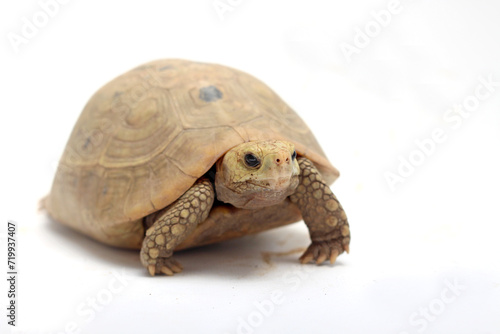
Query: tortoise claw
151,269
176,266
306,258
333,256
167,266
321,251
166,271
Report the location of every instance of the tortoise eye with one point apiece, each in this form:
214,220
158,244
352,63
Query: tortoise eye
294,155
251,160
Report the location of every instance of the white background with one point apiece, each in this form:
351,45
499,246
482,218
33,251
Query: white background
424,255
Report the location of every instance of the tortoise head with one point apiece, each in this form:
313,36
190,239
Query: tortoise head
257,174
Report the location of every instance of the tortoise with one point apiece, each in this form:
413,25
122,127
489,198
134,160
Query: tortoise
176,154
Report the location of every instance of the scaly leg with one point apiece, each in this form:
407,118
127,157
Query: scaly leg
172,225
323,215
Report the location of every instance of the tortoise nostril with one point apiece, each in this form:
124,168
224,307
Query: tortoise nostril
278,160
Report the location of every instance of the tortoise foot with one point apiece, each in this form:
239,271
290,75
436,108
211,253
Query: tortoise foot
167,266
320,251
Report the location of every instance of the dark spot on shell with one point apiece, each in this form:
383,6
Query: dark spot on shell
86,144
210,94
165,68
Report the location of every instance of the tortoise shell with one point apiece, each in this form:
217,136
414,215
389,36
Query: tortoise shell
145,137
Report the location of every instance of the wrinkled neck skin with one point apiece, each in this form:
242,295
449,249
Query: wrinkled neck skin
246,186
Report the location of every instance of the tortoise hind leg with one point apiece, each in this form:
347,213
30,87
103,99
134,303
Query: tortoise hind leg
174,224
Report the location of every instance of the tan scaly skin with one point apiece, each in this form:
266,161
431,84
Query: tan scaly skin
252,175
172,225
323,215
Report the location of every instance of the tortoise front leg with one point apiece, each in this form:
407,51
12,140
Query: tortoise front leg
172,225
323,215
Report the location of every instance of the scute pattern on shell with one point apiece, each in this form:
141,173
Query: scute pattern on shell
145,137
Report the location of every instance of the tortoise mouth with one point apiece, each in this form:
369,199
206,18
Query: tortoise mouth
269,192
271,197
272,185
256,194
